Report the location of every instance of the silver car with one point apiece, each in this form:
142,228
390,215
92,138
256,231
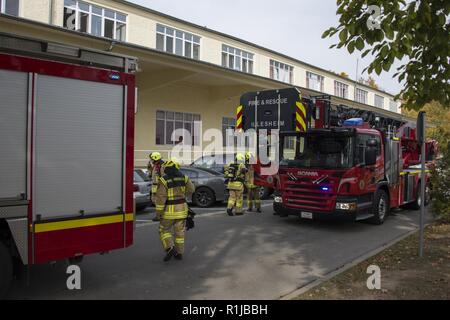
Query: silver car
141,190
209,186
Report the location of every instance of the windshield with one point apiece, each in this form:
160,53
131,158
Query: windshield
317,151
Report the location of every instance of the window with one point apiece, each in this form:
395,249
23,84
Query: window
177,42
281,72
393,105
237,59
361,144
340,89
101,22
168,121
10,7
379,101
314,81
361,96
228,123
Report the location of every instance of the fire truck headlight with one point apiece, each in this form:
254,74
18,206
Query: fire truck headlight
346,206
278,199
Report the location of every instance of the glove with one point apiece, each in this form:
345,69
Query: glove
190,224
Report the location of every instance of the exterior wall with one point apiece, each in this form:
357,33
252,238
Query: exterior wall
38,10
177,98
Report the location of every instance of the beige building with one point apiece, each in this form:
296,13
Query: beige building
188,74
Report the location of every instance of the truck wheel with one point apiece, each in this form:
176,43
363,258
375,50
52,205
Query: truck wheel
264,193
6,270
279,211
380,207
416,204
203,198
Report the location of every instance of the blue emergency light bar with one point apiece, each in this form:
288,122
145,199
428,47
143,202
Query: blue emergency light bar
354,122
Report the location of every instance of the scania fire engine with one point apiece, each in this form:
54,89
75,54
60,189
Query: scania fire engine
335,160
66,145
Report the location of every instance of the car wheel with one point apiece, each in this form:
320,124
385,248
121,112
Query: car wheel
380,207
203,198
6,270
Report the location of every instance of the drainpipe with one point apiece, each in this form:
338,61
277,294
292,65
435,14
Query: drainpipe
50,11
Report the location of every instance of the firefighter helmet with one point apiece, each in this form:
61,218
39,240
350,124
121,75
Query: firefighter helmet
240,157
173,163
155,156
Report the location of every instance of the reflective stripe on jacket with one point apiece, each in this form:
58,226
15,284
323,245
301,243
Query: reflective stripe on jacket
171,195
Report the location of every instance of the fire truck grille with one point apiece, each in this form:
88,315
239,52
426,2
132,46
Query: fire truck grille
308,196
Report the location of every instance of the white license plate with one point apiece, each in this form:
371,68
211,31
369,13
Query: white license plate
307,215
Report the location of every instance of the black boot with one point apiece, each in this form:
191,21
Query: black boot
249,209
258,210
230,212
170,254
178,256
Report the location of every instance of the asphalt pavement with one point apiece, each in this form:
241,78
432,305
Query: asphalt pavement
255,256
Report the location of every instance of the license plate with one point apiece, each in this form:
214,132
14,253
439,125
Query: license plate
307,215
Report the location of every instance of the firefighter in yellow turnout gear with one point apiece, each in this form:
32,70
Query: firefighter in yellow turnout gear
235,173
252,189
171,206
155,171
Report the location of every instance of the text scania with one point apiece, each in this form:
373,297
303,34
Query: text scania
308,173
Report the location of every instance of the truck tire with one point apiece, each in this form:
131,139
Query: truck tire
380,208
6,270
279,210
416,204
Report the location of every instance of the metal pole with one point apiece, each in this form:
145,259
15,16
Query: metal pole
422,193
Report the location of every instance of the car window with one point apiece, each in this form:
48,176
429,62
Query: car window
142,174
137,177
190,173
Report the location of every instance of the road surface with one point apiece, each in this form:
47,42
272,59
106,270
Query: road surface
255,256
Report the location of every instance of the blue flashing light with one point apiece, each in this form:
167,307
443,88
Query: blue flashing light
354,122
325,189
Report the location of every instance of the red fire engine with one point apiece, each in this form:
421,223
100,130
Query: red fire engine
66,143
337,161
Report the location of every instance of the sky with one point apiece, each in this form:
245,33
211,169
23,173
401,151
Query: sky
291,27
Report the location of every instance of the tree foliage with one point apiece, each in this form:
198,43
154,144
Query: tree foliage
415,31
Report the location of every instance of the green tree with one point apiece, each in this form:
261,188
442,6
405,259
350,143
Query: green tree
417,31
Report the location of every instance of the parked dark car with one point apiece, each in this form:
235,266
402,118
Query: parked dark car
217,163
209,186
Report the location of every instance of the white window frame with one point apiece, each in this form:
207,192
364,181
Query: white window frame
393,106
239,57
320,79
103,16
340,89
195,140
3,7
379,98
276,67
195,40
361,95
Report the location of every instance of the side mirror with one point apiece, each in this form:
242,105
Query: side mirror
371,152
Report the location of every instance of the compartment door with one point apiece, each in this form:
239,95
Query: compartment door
13,135
78,148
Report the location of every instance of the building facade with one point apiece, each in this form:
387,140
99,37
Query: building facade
188,74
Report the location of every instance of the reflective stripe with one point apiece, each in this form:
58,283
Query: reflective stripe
80,223
165,236
179,240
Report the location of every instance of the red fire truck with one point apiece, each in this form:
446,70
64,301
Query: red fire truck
66,144
337,161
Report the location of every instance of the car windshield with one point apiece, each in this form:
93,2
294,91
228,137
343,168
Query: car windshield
317,151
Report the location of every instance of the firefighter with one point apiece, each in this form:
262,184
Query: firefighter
252,189
172,189
235,174
155,172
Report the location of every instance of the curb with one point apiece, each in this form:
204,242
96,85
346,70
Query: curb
345,267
